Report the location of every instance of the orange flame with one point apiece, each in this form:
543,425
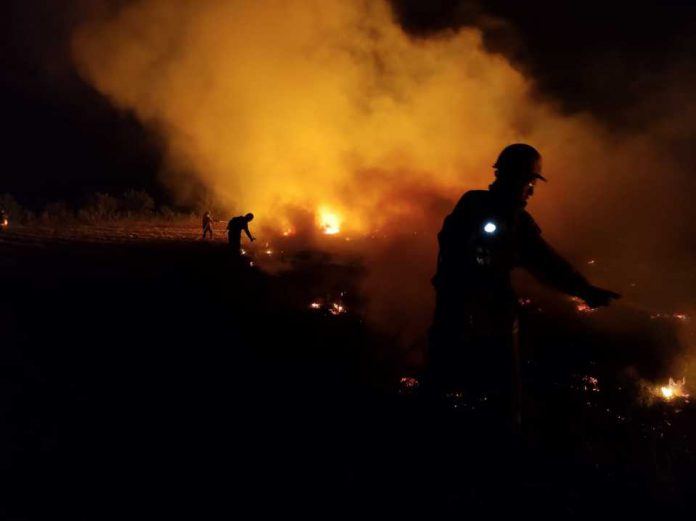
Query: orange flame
329,222
674,389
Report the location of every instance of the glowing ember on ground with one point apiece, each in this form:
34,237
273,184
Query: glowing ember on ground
581,306
592,261
584,308
337,309
591,383
674,389
269,252
243,251
288,232
329,222
409,383
678,316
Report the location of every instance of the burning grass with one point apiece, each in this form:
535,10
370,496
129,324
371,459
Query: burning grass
305,323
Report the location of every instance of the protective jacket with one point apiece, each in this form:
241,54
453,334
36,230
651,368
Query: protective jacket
472,338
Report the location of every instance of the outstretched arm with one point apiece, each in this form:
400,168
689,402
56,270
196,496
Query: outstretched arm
248,234
548,266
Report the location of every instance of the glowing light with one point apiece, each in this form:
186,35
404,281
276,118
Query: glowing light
674,389
243,251
329,222
584,308
269,252
581,306
409,383
315,305
337,309
591,383
490,227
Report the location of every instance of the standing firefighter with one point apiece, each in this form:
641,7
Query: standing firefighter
473,338
235,227
207,225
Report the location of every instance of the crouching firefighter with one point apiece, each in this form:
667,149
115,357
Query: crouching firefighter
473,345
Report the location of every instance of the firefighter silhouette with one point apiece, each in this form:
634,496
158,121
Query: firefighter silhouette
473,336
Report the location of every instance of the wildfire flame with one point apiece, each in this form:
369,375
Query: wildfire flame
329,222
580,305
674,389
337,309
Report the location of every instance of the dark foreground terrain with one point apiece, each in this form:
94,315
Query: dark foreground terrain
159,379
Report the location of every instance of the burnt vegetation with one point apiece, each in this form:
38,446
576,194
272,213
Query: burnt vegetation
135,373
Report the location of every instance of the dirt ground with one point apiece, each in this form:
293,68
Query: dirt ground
145,374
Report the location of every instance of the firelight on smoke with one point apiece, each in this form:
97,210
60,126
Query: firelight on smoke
329,110
329,222
674,389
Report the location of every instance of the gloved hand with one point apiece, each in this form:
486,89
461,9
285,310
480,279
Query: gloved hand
597,297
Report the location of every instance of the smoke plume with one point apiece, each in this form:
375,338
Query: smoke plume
328,106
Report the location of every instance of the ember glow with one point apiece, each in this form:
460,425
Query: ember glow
580,305
674,389
333,308
337,309
677,316
591,383
408,384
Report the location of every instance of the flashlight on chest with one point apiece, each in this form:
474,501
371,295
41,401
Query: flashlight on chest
483,252
490,228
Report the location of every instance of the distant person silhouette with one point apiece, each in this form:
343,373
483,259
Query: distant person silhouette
235,227
473,337
207,225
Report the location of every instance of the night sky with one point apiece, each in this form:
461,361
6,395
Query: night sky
63,140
